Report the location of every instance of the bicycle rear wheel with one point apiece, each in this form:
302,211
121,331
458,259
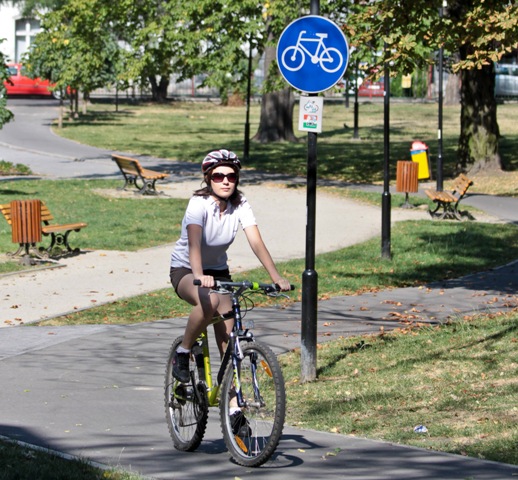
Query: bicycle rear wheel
186,406
252,440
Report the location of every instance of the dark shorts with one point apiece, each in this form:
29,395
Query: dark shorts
176,275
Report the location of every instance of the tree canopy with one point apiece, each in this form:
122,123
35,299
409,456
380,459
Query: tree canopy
86,43
474,33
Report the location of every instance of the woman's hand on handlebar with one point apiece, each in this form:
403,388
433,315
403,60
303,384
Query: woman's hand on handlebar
283,284
206,281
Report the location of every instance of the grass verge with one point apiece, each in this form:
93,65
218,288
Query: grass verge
423,251
19,462
458,380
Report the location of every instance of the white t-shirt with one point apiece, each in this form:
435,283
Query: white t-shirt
219,231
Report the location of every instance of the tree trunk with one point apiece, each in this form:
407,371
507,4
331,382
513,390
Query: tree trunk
452,92
159,89
479,133
276,122
478,142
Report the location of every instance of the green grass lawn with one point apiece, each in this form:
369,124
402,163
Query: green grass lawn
458,380
187,131
125,224
22,463
422,252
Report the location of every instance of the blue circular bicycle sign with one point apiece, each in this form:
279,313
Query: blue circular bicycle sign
312,54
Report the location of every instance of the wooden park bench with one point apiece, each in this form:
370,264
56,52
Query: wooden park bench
58,232
142,178
448,201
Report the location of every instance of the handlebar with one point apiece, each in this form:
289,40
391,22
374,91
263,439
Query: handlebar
245,285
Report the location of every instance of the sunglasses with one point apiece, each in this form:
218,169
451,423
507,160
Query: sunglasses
218,177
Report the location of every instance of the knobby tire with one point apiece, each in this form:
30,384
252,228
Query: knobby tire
265,416
186,406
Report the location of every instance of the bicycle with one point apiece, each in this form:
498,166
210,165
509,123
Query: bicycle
293,58
249,381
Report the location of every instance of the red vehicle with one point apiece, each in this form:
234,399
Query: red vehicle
372,89
24,85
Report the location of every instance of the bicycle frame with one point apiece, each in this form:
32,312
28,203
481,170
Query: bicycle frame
232,352
300,46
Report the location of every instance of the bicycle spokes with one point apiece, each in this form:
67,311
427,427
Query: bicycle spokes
262,388
186,406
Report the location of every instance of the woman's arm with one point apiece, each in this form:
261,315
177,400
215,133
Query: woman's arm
261,252
194,235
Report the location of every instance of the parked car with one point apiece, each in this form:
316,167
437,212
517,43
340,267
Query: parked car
506,85
369,88
21,84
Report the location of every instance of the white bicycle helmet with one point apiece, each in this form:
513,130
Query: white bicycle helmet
217,157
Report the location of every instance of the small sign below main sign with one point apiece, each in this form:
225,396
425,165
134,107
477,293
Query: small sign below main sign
311,111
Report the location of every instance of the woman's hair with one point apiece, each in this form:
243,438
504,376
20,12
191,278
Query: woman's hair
235,199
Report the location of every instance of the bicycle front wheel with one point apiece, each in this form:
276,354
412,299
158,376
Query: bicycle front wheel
331,60
293,58
186,406
253,432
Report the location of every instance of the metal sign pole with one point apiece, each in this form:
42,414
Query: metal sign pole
309,276
308,338
311,72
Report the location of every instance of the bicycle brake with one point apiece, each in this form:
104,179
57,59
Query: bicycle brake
277,294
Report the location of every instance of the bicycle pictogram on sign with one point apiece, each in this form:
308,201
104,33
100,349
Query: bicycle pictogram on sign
312,54
294,57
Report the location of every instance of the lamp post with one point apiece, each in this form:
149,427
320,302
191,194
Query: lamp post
356,133
439,129
385,199
246,152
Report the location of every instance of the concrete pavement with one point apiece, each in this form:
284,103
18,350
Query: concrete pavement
96,391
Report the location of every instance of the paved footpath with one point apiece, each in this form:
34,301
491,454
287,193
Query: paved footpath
96,391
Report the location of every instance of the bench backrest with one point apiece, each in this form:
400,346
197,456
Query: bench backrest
25,221
128,165
5,209
461,184
46,216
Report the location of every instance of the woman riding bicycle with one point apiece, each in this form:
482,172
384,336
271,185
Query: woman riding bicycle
209,227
